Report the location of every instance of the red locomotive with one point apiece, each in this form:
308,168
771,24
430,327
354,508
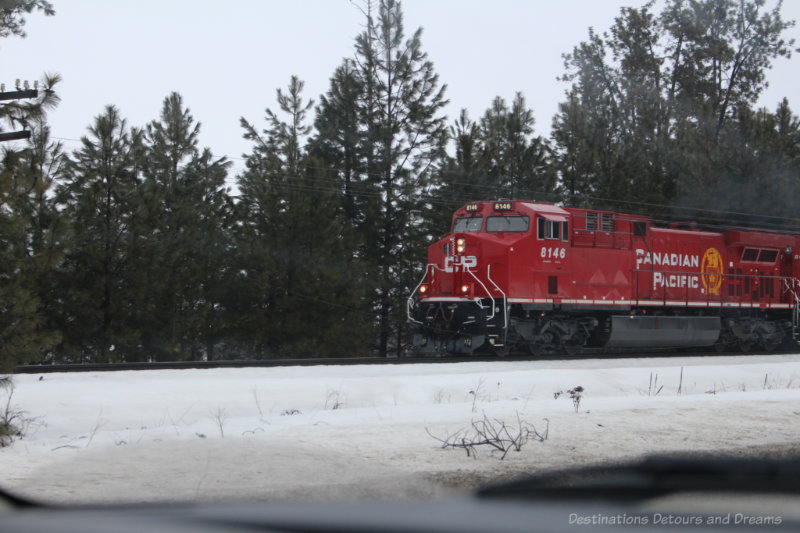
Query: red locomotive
538,277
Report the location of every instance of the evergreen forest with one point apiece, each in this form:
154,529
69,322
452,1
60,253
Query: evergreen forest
134,246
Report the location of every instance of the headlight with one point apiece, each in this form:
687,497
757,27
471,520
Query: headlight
461,245
423,288
465,288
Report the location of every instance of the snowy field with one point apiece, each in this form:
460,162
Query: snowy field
344,432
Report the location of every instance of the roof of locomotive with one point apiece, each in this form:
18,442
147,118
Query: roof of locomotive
511,205
540,207
734,234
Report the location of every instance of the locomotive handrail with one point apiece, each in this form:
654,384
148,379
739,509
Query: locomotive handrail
410,302
661,292
505,298
484,288
796,307
790,288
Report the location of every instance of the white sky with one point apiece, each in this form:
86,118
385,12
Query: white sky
228,58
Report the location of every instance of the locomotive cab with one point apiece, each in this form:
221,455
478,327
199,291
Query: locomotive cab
494,249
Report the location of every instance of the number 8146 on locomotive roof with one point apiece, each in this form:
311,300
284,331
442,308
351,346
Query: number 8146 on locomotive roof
535,277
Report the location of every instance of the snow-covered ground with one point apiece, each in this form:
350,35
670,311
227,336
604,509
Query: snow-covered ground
331,432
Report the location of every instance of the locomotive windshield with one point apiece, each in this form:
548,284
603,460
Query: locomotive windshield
467,225
509,223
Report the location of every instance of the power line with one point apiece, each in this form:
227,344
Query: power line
311,184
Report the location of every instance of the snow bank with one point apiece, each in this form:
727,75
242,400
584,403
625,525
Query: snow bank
361,431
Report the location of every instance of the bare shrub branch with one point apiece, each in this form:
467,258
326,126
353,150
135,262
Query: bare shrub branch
495,434
14,422
97,425
258,404
575,395
653,389
475,393
219,418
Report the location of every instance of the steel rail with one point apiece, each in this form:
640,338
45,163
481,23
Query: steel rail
341,361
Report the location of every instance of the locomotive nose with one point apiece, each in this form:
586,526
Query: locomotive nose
461,268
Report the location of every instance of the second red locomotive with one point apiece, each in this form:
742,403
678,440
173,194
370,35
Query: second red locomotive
538,277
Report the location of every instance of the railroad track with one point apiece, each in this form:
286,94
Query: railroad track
251,363
179,365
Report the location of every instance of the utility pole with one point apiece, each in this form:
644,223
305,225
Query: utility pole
19,94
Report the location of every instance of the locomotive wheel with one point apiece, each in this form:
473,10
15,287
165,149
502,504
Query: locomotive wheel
745,346
573,345
572,349
769,345
724,342
535,349
553,343
789,343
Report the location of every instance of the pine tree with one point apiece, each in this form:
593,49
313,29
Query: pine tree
513,159
181,239
761,176
719,53
460,178
24,336
339,133
24,333
12,16
98,196
39,242
653,102
294,236
273,175
403,139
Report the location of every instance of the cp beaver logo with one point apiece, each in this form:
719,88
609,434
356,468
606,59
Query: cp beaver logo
711,268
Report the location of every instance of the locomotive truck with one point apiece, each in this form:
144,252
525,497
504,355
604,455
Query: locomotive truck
536,277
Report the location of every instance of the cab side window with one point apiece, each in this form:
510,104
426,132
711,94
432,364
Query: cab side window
553,230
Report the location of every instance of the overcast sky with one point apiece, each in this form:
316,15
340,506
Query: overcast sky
228,58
